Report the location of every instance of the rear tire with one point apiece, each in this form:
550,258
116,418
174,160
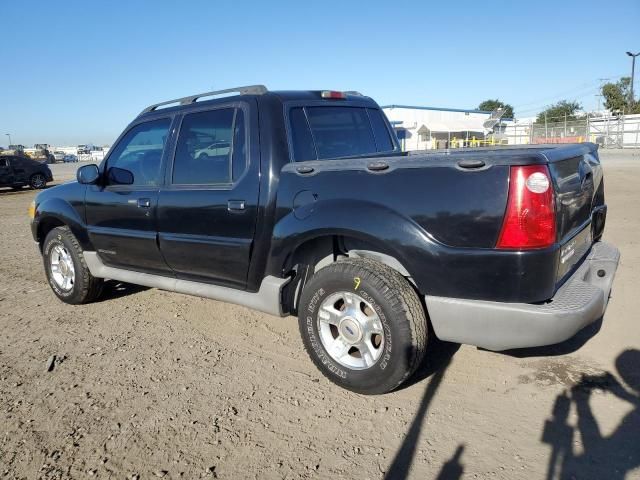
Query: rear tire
66,270
363,325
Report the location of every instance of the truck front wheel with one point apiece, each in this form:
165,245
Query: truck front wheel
363,325
67,272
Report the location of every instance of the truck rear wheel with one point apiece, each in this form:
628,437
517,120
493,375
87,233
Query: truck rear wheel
363,325
66,270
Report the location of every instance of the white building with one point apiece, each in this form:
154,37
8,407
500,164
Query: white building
422,128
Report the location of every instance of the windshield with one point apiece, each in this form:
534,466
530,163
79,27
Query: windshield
326,132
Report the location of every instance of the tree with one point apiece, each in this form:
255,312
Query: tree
558,112
491,105
616,97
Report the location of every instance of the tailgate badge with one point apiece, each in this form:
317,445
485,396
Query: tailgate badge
568,251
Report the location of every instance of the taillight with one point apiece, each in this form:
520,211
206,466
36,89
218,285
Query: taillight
530,220
332,94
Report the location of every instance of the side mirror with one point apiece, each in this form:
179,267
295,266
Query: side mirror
119,176
88,174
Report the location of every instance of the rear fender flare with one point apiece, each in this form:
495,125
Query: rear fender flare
395,237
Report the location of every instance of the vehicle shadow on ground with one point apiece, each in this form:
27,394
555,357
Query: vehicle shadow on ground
437,360
113,289
603,456
438,357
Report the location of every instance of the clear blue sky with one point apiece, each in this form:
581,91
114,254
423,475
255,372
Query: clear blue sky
79,71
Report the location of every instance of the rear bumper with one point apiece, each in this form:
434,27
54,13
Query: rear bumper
501,326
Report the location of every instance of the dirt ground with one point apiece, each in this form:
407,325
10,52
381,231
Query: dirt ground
149,384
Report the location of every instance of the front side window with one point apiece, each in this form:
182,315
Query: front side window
325,132
211,148
140,152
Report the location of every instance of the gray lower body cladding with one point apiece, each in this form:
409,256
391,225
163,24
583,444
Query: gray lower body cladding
267,299
502,326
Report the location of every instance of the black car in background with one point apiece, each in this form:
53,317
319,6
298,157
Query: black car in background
16,172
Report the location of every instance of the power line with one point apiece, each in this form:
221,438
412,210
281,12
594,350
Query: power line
578,95
580,91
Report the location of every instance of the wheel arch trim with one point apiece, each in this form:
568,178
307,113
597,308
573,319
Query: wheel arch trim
390,238
57,212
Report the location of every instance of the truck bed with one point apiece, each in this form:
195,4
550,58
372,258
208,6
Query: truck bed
455,202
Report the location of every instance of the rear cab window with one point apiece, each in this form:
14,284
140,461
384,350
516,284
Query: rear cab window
323,132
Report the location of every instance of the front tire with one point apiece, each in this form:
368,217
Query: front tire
66,270
363,325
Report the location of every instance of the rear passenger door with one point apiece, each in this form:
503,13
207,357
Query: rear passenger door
207,209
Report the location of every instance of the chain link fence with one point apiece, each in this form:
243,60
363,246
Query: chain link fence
608,132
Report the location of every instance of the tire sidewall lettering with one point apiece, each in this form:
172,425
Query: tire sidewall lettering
314,341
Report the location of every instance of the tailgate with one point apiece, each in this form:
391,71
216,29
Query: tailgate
577,178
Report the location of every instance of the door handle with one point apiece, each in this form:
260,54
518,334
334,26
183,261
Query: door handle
235,205
144,202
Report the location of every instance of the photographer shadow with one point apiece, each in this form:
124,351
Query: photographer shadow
612,456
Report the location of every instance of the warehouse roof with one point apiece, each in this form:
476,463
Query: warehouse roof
439,109
443,109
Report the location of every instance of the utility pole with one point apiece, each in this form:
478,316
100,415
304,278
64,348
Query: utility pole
602,82
633,68
8,135
546,132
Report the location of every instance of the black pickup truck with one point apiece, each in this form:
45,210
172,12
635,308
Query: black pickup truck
301,203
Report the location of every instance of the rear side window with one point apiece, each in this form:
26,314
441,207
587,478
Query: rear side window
211,148
323,132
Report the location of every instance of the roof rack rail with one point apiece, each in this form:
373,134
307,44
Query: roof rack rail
248,90
354,93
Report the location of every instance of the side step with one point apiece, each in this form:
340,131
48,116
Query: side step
267,299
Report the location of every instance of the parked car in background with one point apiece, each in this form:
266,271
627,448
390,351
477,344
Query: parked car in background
70,158
218,149
58,156
16,172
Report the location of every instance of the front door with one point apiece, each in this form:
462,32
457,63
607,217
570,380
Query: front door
207,209
121,210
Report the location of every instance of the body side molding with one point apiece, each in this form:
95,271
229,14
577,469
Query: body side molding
266,299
